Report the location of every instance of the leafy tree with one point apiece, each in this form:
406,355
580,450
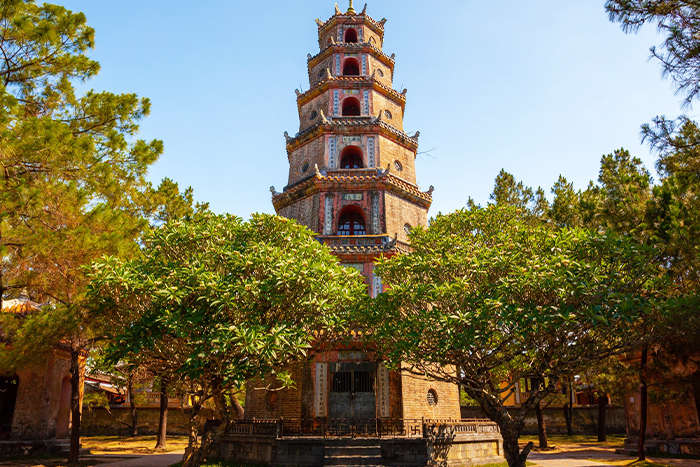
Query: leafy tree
508,192
214,301
72,180
503,299
679,21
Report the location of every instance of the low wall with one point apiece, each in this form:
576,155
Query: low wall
585,421
458,451
97,422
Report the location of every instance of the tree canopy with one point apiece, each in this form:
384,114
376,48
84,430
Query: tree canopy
501,298
214,301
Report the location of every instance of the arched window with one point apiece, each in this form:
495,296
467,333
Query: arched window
351,35
351,158
351,107
351,222
351,67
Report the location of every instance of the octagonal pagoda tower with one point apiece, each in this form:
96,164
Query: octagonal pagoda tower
352,180
352,174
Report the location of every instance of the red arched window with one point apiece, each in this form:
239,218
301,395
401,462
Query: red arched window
351,223
351,35
351,107
351,67
351,158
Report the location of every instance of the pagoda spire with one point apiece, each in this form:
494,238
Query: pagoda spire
351,10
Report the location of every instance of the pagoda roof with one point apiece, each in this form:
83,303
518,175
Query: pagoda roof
352,179
376,26
352,124
351,47
361,81
21,305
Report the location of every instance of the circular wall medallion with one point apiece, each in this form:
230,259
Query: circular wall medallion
407,228
305,167
388,114
432,397
313,115
380,73
398,166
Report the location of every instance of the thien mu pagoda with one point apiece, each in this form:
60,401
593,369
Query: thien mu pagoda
352,180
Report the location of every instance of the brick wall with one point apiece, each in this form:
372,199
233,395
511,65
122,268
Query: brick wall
305,211
415,398
313,152
380,102
400,212
389,152
316,104
263,403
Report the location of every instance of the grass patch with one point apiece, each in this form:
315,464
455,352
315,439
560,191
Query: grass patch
614,441
130,445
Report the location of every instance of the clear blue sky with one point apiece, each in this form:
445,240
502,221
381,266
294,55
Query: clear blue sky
540,88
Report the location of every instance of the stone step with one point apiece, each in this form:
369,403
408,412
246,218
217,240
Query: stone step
370,442
352,460
353,450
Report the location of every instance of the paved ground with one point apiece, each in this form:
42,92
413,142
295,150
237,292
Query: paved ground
576,455
150,460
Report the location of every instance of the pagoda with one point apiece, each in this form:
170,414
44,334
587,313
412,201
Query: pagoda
352,180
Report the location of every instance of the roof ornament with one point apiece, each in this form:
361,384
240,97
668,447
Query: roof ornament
388,169
287,137
24,295
364,10
337,10
382,21
297,92
374,72
328,73
351,10
273,191
379,117
319,23
404,91
324,120
318,172
416,135
308,57
430,190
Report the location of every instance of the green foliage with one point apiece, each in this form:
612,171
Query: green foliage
501,299
214,300
508,192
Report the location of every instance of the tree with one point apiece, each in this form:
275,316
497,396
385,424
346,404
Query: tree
71,181
214,301
508,192
503,299
679,21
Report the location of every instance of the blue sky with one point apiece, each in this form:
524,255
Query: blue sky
540,88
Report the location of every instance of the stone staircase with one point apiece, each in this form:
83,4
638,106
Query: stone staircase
353,452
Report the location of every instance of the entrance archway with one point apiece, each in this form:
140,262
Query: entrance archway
8,399
351,158
352,391
351,35
351,222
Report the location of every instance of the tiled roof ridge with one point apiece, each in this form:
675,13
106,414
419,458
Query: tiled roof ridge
324,25
350,122
377,175
353,45
369,79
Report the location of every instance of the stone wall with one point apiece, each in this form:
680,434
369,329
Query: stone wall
97,422
585,420
415,398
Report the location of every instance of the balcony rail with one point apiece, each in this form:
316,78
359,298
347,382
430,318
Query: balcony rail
373,427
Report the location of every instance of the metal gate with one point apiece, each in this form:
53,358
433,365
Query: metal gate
352,394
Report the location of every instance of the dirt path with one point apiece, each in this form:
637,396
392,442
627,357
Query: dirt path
577,455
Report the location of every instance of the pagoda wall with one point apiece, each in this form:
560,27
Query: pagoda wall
317,72
415,399
313,152
389,152
402,212
264,404
305,211
317,104
380,102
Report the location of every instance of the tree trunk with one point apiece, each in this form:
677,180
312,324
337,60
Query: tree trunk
76,383
569,408
602,416
541,426
511,448
642,406
163,420
132,406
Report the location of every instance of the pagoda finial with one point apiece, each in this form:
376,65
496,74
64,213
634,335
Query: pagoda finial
351,10
337,10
